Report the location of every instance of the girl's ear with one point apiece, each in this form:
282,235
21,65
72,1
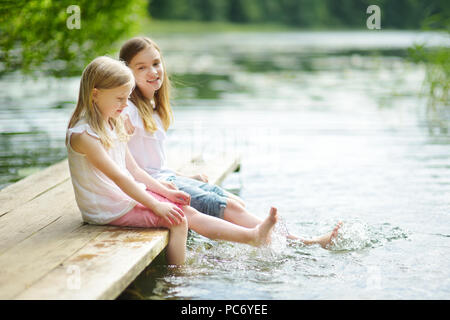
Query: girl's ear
94,95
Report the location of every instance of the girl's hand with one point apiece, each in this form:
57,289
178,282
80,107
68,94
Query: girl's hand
179,197
169,185
200,177
169,212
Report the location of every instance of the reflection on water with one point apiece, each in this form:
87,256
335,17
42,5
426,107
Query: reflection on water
22,156
204,85
33,118
330,127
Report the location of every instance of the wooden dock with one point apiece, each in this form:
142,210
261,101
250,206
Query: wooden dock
47,252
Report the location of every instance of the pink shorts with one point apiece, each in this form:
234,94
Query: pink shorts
141,216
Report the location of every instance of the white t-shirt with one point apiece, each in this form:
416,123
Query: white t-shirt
148,148
99,199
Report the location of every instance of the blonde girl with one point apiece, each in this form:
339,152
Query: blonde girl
149,115
110,188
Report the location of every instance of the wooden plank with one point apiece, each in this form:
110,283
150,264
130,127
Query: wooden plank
103,268
43,246
24,221
216,169
34,257
32,186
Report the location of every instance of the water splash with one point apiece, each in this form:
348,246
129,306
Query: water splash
279,234
352,236
358,235
204,253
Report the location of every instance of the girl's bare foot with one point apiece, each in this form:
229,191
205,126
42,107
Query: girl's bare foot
264,229
325,240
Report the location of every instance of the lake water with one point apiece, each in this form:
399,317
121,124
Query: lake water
330,126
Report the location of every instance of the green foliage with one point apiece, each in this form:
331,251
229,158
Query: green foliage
437,79
437,63
398,14
34,33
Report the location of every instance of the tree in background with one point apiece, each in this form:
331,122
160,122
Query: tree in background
34,33
396,14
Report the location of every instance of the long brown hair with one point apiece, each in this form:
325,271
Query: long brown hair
162,96
102,73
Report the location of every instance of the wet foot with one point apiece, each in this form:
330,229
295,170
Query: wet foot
263,231
326,240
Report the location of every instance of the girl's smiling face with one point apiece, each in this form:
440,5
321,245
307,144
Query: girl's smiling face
148,71
111,102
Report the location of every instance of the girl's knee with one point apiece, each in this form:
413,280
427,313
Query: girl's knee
234,197
184,222
234,205
241,202
189,212
181,226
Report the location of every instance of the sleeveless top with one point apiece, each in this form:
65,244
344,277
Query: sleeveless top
148,148
99,199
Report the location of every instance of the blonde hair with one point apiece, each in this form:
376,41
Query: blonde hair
162,96
102,73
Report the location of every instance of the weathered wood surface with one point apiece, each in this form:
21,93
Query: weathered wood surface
32,186
47,252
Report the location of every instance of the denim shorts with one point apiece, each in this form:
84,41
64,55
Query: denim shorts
206,198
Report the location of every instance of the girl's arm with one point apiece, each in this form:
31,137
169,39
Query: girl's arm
201,177
97,156
154,185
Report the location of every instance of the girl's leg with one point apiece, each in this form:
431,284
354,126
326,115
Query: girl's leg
142,217
176,248
218,229
324,240
235,197
237,214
